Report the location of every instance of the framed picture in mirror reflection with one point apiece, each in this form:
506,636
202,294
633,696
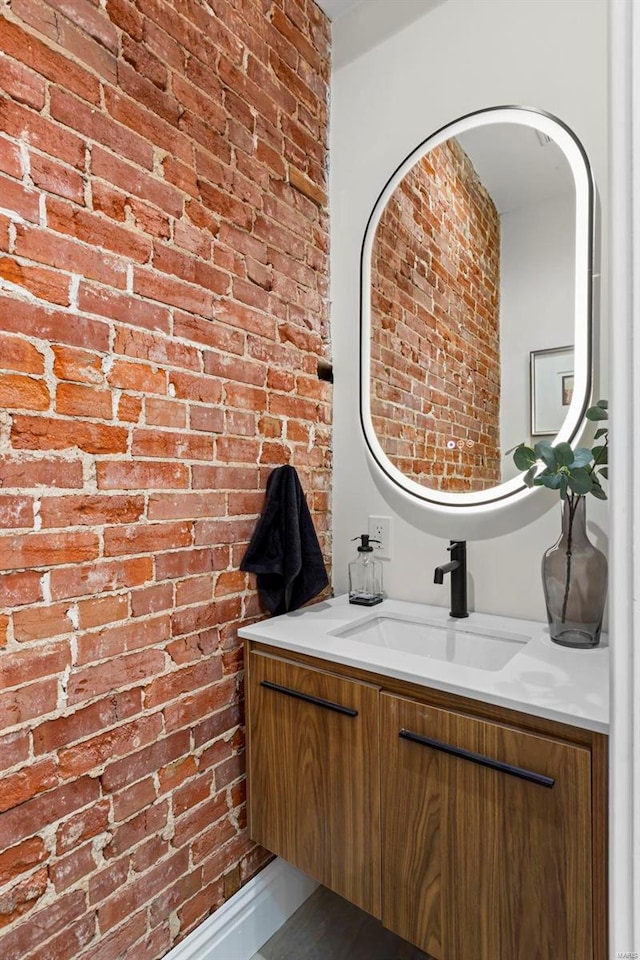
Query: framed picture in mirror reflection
551,374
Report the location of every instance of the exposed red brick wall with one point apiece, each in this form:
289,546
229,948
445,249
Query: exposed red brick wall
435,325
163,264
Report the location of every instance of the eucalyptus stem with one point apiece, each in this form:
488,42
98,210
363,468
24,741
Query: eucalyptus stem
572,503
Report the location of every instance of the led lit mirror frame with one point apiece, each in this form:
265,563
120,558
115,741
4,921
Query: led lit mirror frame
483,500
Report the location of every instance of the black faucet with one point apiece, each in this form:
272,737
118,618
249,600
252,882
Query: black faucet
457,567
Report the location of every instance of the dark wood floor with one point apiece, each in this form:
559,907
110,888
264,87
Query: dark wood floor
326,927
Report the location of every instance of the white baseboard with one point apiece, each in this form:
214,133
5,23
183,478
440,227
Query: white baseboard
239,928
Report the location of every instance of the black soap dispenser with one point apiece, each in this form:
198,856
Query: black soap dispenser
365,575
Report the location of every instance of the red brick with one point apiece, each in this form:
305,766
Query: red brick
138,377
92,754
93,22
151,599
146,761
153,537
165,413
21,84
4,629
82,826
77,400
20,942
134,181
199,388
46,808
91,228
184,563
15,511
209,419
164,444
18,354
113,203
32,699
148,119
98,611
129,408
122,307
44,549
50,63
66,871
39,622
53,734
79,580
10,159
133,799
96,126
17,589
151,883
187,506
123,14
21,858
55,326
123,637
156,349
141,476
87,50
42,283
175,292
94,681
54,177
46,433
23,393
22,896
50,248
25,473
19,122
17,787
90,510
184,681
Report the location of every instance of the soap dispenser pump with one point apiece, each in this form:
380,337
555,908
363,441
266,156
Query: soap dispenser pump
365,575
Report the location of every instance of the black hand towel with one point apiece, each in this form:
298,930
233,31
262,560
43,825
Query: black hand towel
284,551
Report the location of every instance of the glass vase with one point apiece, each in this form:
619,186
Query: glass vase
574,577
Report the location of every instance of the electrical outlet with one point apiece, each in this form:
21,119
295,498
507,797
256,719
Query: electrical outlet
380,529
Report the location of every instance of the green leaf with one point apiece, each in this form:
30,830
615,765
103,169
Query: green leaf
564,454
604,472
530,476
603,403
581,457
563,487
596,413
524,457
602,432
580,481
600,454
599,493
554,481
546,453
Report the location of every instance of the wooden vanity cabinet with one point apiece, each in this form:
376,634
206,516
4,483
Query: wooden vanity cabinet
488,829
475,833
314,787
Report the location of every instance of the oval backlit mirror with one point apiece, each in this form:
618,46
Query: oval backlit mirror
476,305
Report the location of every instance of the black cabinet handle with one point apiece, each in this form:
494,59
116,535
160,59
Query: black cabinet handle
520,772
318,701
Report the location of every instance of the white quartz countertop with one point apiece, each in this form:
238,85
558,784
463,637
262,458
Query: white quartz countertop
543,679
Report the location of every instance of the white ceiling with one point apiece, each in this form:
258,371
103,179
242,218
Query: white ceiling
359,25
336,8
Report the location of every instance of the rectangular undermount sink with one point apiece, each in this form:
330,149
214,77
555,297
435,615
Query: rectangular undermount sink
455,641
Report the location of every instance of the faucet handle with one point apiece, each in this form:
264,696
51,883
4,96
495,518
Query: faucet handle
456,543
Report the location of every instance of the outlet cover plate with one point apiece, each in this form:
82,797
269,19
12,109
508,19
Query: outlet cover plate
380,529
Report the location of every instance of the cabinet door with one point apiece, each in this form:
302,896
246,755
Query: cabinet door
492,864
314,787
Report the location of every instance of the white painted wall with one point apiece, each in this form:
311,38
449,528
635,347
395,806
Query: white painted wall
536,305
462,56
